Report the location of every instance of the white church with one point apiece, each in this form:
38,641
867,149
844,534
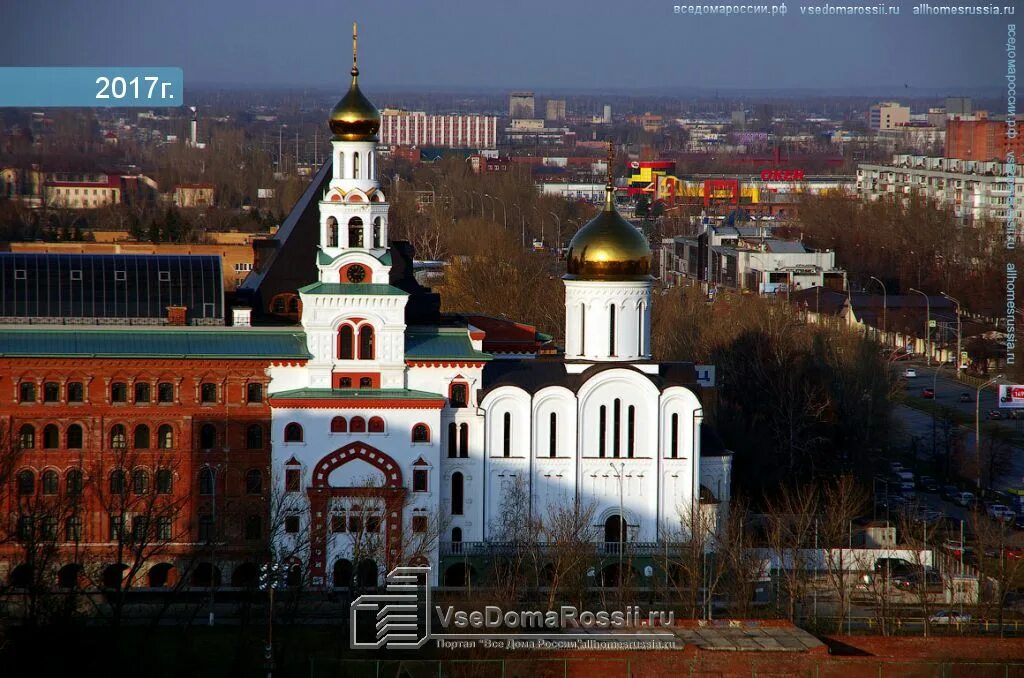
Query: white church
402,429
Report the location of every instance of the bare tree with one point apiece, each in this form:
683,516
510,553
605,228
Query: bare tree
844,499
790,525
567,531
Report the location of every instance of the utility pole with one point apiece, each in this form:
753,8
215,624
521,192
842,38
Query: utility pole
977,429
884,307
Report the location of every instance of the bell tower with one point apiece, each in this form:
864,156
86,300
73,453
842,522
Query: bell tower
354,210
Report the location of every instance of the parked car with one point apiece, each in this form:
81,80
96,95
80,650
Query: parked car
966,398
910,373
964,498
928,393
954,547
893,566
1014,552
949,617
995,415
949,492
1001,512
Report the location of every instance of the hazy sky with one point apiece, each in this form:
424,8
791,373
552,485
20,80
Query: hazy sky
544,44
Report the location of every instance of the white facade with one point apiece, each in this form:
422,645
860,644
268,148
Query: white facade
416,128
423,412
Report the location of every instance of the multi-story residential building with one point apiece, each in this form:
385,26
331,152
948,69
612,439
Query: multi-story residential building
981,138
521,105
973,188
416,128
887,115
554,110
82,191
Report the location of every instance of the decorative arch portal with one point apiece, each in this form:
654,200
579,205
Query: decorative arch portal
320,493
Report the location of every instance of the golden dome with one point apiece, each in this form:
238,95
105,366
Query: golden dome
354,118
608,248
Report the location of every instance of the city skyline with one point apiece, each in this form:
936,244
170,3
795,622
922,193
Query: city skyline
579,46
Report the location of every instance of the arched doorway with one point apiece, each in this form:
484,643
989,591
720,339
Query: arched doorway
161,575
611,577
615,531
293,575
246,576
456,540
206,575
366,573
113,576
342,575
21,576
459,574
69,576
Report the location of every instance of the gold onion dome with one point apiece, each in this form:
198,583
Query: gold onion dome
608,248
354,118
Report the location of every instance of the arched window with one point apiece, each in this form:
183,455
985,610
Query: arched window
420,433
164,481
377,233
117,483
506,435
74,437
140,440
165,437
366,343
341,165
27,437
611,330
602,431
553,435
253,481
165,392
73,528
51,437
207,436
26,483
142,393
458,395
140,482
355,232
118,437
452,440
583,329
206,482
293,304
346,343
674,448
254,437
616,427
73,483
464,441
355,165
339,425
332,232
365,382
278,306
357,425
345,382
370,164
630,431
376,425
639,329
26,392
50,482
293,433
457,494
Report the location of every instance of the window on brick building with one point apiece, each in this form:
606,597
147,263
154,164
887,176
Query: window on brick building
74,437
76,392
51,392
165,437
51,437
119,392
115,526
26,483
254,481
117,484
254,393
73,528
142,393
118,437
73,483
163,528
140,482
25,528
253,528
140,529
206,528
291,524
164,481
254,437
208,393
50,482
27,437
206,482
165,392
140,439
207,436
48,531
26,392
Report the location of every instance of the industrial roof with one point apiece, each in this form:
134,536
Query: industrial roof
173,343
777,246
110,286
440,343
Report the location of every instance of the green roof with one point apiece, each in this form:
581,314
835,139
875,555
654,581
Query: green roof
440,343
378,289
323,258
357,394
167,342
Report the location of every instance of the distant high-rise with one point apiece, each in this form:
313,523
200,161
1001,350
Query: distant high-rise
607,113
520,105
981,139
554,110
416,128
959,106
888,115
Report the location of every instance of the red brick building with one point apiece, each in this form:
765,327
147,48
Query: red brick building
136,454
980,139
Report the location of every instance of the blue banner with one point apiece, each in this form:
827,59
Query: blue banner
114,87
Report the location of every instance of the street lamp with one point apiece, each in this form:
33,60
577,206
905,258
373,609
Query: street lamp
270,579
885,307
620,474
558,232
927,326
977,426
959,329
504,214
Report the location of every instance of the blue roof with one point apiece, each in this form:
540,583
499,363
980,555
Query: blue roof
240,343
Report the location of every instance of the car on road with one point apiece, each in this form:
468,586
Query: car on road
928,393
966,398
928,484
954,547
910,373
949,617
995,415
1014,552
1001,512
964,498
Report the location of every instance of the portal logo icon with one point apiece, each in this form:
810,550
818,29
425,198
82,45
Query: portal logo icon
396,619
